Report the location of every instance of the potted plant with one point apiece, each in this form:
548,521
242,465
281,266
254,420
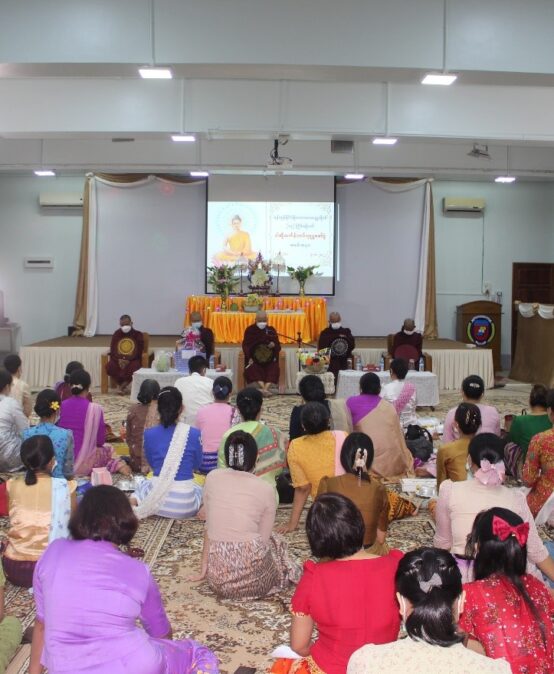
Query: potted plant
302,274
222,279
252,302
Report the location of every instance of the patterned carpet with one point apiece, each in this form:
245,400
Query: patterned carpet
240,633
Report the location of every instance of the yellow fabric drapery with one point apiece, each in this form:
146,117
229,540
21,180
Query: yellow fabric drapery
313,308
229,326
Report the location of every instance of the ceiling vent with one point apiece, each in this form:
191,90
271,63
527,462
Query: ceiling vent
342,146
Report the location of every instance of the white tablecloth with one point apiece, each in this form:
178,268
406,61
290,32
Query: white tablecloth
426,383
167,378
327,378
45,365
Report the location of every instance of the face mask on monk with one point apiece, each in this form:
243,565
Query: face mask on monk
336,326
408,332
126,328
196,325
262,324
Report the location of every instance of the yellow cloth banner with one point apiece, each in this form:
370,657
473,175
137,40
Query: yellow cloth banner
229,326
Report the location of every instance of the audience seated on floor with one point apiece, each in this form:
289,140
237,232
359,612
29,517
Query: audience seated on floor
452,456
214,420
508,611
431,600
334,594
538,469
460,502
311,457
141,416
20,390
270,442
39,510
242,558
86,421
174,451
524,427
377,418
196,389
47,409
63,388
312,391
365,491
473,390
12,423
89,597
401,393
10,630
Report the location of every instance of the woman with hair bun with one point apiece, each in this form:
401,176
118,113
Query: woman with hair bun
86,421
473,390
214,420
63,388
39,509
366,492
142,415
430,597
452,456
524,427
47,409
508,611
460,502
174,451
242,558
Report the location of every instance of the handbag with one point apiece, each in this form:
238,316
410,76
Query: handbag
419,441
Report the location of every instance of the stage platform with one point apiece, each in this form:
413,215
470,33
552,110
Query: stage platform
44,362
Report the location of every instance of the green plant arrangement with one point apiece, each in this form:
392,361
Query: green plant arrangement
222,279
302,274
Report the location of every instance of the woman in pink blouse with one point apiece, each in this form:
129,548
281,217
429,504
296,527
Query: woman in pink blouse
473,390
460,502
214,420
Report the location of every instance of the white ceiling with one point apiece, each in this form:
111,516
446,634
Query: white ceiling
246,71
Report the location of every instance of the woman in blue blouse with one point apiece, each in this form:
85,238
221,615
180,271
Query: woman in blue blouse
174,451
47,408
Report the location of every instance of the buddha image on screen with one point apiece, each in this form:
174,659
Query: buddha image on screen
237,244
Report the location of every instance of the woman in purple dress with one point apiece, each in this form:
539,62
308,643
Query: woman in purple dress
89,596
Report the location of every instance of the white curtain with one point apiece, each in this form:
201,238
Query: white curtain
528,310
146,252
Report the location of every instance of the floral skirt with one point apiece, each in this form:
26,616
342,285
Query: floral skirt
251,569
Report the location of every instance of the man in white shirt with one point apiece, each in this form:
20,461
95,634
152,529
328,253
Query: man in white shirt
196,389
401,393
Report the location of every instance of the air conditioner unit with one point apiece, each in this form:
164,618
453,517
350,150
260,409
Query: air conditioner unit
60,200
460,205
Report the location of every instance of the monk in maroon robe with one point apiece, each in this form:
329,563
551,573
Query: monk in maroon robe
125,356
408,337
261,354
340,341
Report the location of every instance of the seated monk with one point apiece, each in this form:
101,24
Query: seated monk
237,244
405,338
261,353
207,340
125,356
339,340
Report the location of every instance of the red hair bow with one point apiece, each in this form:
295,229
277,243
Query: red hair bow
503,530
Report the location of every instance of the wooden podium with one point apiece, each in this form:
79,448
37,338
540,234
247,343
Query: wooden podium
480,323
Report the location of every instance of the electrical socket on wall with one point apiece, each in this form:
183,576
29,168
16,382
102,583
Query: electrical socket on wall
487,289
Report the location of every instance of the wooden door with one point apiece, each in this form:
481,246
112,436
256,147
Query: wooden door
531,282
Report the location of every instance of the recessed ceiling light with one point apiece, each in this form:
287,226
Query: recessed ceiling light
354,176
382,140
45,173
155,73
505,179
439,78
183,138
199,174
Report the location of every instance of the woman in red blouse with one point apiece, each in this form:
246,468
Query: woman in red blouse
349,594
508,611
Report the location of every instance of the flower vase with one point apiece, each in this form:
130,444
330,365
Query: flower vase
302,285
224,299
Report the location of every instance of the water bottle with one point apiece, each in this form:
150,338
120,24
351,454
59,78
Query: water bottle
359,363
421,365
382,363
212,362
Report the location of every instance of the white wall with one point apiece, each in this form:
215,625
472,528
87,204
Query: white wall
42,302
518,227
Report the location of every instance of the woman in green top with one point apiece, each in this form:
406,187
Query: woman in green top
523,428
